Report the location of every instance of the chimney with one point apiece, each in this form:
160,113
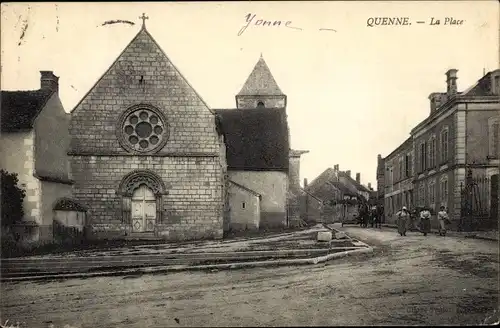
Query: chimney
451,82
336,167
348,172
358,177
436,100
305,182
370,185
48,81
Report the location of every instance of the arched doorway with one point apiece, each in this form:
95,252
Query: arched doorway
142,200
143,209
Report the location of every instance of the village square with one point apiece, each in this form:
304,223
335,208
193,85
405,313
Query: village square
143,206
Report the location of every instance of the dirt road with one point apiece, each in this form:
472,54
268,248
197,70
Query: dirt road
407,280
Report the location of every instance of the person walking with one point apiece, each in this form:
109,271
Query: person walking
380,215
403,217
443,219
425,221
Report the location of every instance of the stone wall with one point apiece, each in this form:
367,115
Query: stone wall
189,163
478,138
191,210
253,101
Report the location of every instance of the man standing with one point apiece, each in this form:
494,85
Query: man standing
443,218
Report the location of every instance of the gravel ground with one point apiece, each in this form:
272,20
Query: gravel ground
411,280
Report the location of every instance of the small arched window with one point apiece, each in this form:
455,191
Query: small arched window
260,104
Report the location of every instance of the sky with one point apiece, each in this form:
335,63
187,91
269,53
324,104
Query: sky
353,91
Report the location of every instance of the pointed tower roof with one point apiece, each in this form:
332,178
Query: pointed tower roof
261,82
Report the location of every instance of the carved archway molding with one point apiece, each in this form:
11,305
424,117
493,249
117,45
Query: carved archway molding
136,178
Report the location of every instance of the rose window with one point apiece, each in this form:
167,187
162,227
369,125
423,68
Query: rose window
143,130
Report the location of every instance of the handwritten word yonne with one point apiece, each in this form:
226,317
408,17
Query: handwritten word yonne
250,20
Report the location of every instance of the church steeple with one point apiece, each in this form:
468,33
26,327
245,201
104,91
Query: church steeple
260,89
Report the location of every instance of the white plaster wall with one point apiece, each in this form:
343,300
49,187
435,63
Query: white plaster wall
273,187
17,156
247,217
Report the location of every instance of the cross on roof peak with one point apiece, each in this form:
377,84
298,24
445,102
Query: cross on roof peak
143,17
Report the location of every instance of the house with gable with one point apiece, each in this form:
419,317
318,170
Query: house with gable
147,153
338,199
257,137
34,144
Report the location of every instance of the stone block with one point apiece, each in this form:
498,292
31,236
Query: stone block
340,235
324,236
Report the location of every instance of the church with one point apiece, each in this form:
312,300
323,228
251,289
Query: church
151,160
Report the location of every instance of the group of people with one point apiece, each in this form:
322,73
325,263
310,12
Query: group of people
371,216
424,214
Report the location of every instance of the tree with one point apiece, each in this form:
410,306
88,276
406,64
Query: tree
12,199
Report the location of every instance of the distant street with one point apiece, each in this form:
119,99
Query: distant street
411,280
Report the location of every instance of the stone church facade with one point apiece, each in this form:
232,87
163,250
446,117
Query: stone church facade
146,154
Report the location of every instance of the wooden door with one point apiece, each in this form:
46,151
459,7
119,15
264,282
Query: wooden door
143,210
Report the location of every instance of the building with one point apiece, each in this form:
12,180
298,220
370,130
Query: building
380,180
311,207
461,131
34,144
151,159
353,185
259,162
147,153
295,191
339,193
258,150
398,182
458,139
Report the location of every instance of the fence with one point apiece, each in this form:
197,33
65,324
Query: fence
479,203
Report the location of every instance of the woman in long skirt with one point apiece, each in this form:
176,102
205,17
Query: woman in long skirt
425,221
403,217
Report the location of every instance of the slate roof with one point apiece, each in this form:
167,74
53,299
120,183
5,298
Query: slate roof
260,82
20,108
326,175
340,186
67,204
256,139
483,87
358,186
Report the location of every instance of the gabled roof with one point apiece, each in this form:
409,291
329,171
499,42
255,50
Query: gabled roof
256,139
328,178
253,192
357,185
20,108
260,82
143,30
321,179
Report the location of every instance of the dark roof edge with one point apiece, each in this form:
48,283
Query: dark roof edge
246,188
48,178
